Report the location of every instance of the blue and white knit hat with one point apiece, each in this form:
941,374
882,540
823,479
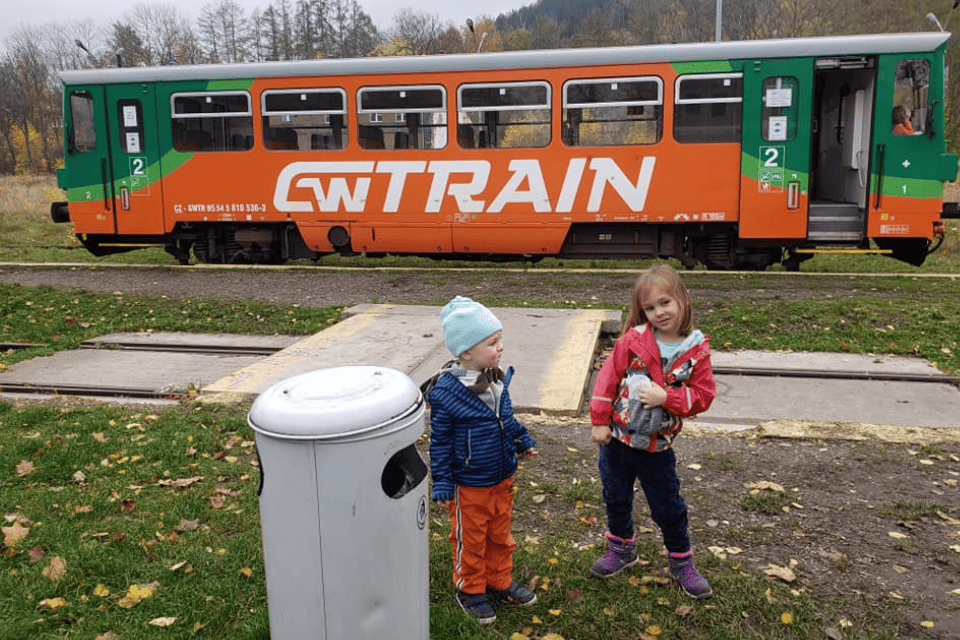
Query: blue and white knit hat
466,323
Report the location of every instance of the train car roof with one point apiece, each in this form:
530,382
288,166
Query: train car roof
827,46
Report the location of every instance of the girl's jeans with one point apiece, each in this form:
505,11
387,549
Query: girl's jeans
620,467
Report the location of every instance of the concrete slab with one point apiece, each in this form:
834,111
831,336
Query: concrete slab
144,371
746,401
551,350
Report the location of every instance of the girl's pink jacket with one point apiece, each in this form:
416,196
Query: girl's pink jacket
689,384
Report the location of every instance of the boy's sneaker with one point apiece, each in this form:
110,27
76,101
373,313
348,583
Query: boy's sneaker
516,593
685,573
477,605
621,554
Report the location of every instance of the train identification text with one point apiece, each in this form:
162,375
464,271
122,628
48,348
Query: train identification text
344,186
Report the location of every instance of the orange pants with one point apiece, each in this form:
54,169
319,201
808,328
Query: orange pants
480,534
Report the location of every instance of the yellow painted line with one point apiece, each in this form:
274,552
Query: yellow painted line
297,358
569,370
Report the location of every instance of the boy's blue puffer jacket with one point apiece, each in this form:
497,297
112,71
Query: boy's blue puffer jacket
471,446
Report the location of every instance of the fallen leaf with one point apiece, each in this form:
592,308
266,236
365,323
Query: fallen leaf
14,534
56,569
162,622
786,618
683,610
897,535
926,624
246,572
25,468
764,485
101,591
776,571
52,603
555,612
135,594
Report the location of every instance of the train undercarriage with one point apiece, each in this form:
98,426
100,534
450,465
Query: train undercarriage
716,246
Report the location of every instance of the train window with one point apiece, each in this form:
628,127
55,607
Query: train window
212,121
82,135
504,115
302,119
418,117
130,117
779,118
612,111
708,108
910,90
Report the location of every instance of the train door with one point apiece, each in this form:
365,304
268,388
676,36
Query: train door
910,162
87,176
775,162
135,159
843,119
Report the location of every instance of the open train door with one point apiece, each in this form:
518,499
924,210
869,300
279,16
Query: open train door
775,161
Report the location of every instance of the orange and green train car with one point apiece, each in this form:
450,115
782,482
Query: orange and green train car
736,155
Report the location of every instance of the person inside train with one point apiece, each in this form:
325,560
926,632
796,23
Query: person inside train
901,121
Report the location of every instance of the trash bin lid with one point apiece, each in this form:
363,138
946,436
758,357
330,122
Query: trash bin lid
333,403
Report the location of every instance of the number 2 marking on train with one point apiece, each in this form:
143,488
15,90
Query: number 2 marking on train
773,154
138,167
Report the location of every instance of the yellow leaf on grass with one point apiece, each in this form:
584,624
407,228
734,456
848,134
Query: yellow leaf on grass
518,636
14,534
786,618
653,630
246,572
24,468
52,603
101,591
555,612
552,636
56,569
135,594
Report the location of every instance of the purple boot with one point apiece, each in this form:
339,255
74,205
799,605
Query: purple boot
621,554
685,573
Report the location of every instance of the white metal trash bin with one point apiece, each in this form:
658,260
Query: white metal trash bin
343,505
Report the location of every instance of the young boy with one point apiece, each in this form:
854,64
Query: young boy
475,442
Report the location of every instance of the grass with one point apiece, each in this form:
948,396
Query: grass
103,503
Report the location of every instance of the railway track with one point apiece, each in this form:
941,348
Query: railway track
174,395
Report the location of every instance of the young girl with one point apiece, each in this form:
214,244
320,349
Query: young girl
659,372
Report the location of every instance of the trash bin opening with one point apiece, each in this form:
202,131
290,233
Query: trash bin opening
403,472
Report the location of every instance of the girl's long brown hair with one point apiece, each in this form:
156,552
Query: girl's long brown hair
665,277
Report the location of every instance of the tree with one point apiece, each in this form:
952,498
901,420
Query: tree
419,29
224,32
160,27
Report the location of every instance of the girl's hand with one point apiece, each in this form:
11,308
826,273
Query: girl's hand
523,456
653,396
601,434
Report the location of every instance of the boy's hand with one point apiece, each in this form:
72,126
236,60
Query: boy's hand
601,434
653,396
523,456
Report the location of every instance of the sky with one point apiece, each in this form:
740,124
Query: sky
40,12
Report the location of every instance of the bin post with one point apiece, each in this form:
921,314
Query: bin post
343,505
